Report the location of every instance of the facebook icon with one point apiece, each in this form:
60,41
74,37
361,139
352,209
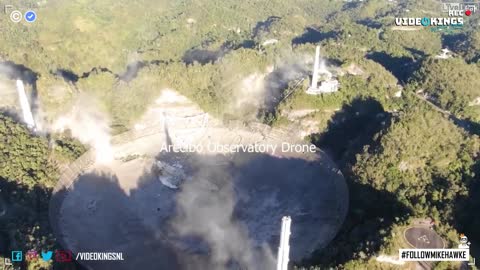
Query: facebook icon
17,256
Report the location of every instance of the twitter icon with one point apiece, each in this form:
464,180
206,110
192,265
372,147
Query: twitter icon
47,256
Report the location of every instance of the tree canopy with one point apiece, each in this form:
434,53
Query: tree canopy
452,83
425,171
25,159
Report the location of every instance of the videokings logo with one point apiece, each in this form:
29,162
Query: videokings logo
426,21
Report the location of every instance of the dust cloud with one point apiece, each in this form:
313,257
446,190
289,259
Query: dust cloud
250,92
263,91
206,210
89,125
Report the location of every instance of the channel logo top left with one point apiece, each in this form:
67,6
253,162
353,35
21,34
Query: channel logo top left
17,16
30,16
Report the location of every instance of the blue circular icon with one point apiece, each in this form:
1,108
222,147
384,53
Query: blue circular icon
30,16
425,21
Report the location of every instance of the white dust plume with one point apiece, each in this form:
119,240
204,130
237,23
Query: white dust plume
206,209
89,125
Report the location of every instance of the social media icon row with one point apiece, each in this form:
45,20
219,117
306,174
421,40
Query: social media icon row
17,16
31,255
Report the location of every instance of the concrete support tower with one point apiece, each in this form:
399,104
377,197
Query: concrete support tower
315,68
328,83
284,248
25,105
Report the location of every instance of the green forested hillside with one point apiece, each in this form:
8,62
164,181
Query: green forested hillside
25,159
452,84
426,172
414,163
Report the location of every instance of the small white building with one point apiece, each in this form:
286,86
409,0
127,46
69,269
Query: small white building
446,53
269,42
